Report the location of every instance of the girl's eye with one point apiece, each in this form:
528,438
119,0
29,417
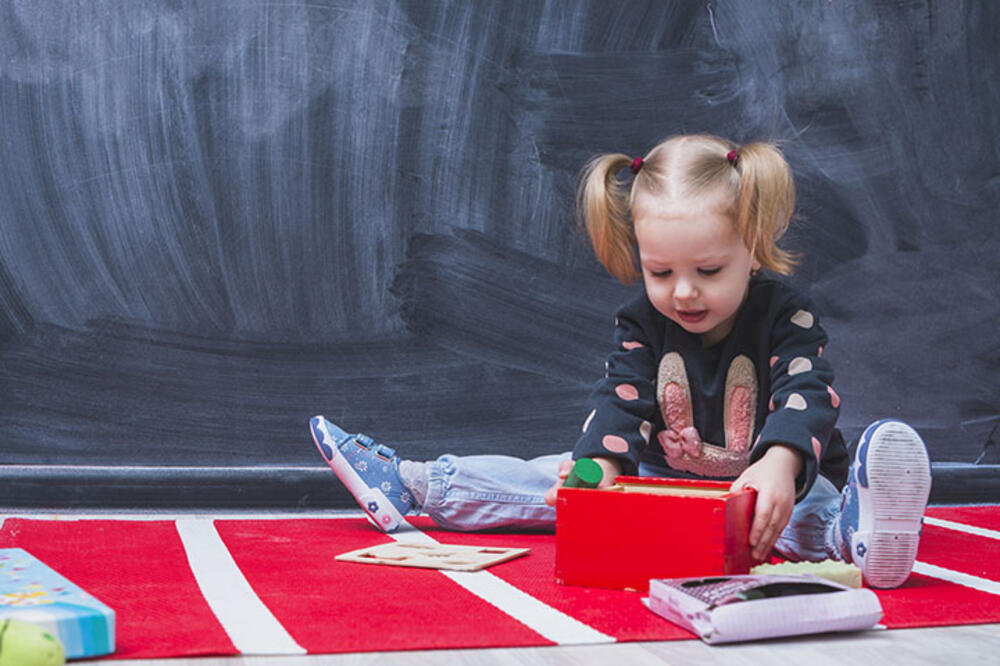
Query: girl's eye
709,271
661,274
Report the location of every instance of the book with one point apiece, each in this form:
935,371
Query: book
33,592
727,609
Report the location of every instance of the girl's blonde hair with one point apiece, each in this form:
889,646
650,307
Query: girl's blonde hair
752,184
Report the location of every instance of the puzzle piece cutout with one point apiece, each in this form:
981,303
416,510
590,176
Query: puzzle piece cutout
433,556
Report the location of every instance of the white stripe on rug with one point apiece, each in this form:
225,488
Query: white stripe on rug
957,577
962,527
250,625
553,624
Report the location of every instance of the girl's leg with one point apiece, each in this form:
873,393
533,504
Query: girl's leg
483,492
875,522
884,502
459,493
369,470
809,535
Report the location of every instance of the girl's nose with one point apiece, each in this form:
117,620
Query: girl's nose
685,290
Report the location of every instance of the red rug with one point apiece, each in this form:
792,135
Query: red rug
297,598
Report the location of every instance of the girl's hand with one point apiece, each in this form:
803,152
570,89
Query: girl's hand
773,477
612,468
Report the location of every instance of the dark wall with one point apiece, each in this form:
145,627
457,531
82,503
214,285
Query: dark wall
217,219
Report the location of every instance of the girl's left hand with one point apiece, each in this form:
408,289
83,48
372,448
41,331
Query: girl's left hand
773,477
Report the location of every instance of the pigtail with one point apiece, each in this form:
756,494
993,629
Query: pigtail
765,204
603,207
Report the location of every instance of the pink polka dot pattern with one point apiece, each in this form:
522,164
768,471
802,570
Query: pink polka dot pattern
615,444
819,352
834,398
632,344
627,392
770,403
774,359
817,448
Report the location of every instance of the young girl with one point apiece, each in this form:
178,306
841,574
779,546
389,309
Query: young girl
717,372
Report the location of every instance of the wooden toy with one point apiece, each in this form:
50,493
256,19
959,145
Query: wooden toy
844,573
642,528
585,474
433,556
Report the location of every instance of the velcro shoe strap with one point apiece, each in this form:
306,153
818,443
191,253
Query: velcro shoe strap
384,451
364,440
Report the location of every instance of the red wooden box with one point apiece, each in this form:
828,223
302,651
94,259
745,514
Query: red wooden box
642,528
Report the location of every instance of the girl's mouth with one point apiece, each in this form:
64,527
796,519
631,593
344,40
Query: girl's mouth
692,316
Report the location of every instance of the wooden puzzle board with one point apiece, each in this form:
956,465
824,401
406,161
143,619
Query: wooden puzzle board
433,556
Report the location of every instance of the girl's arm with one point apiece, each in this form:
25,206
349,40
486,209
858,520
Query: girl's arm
803,412
623,403
803,407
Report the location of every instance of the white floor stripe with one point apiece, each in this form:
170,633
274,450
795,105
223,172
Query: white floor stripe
962,527
540,617
250,625
957,577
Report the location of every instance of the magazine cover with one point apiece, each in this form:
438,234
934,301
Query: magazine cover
725,609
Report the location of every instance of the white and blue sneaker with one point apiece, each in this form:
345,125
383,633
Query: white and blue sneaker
883,503
368,469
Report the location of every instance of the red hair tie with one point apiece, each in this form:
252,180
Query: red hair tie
733,157
636,165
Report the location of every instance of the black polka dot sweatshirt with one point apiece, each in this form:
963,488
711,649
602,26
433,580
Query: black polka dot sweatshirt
766,383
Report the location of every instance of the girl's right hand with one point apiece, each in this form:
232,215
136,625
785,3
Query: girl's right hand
612,468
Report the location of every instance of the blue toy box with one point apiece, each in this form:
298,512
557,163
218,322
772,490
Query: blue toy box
32,592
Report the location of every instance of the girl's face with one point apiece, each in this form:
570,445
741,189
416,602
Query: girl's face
694,264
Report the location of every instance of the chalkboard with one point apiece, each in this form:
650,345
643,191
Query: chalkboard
218,219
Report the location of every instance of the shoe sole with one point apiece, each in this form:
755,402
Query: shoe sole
893,484
373,501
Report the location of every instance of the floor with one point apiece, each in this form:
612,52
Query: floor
976,644
972,644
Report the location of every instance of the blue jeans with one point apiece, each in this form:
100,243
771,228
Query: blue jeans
467,493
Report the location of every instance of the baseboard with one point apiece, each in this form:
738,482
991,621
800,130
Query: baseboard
86,487
77,487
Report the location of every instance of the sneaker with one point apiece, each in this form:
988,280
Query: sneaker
883,503
369,470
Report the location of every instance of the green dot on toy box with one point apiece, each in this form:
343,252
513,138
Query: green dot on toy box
26,644
585,474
